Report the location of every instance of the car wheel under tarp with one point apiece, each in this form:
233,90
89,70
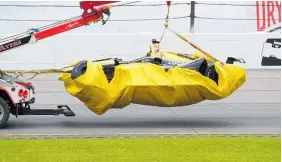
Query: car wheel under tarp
211,73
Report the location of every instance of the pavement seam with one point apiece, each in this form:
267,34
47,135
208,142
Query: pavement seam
141,135
183,121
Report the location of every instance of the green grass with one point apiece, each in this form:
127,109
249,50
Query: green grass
141,149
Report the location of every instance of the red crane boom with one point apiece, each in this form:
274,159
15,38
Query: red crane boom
93,12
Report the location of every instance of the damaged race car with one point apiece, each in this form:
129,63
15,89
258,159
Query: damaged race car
161,78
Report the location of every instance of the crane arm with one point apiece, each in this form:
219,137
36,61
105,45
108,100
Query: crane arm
93,12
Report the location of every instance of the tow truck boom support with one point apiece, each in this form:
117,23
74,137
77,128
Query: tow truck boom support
93,12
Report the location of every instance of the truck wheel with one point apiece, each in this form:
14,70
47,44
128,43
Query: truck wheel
4,112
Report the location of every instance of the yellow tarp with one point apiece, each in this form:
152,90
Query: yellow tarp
149,84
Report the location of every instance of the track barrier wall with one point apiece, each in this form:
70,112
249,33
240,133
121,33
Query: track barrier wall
260,51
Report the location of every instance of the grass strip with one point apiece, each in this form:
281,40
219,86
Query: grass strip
245,149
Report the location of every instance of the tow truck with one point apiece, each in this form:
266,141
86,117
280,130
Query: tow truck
16,95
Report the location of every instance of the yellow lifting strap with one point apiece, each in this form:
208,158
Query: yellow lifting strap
183,38
193,45
36,72
62,70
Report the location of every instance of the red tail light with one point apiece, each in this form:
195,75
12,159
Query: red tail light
25,94
21,93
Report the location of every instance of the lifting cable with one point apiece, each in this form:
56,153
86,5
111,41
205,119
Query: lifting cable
64,69
193,45
166,20
183,38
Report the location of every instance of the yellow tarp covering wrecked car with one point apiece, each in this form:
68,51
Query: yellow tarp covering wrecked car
150,84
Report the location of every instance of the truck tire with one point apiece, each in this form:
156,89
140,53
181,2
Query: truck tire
4,112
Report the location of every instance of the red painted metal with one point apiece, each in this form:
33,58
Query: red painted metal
24,84
88,6
95,14
64,27
168,3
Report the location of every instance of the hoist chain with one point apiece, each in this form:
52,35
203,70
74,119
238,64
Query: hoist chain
64,70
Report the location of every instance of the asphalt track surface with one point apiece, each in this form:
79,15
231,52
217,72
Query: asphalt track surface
254,108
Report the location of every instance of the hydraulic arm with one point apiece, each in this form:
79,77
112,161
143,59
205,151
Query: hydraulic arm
93,11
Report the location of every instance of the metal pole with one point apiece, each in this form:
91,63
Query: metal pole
192,16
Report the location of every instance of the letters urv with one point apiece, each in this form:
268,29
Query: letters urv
268,13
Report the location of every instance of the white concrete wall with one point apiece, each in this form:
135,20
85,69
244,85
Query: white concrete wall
63,49
222,38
